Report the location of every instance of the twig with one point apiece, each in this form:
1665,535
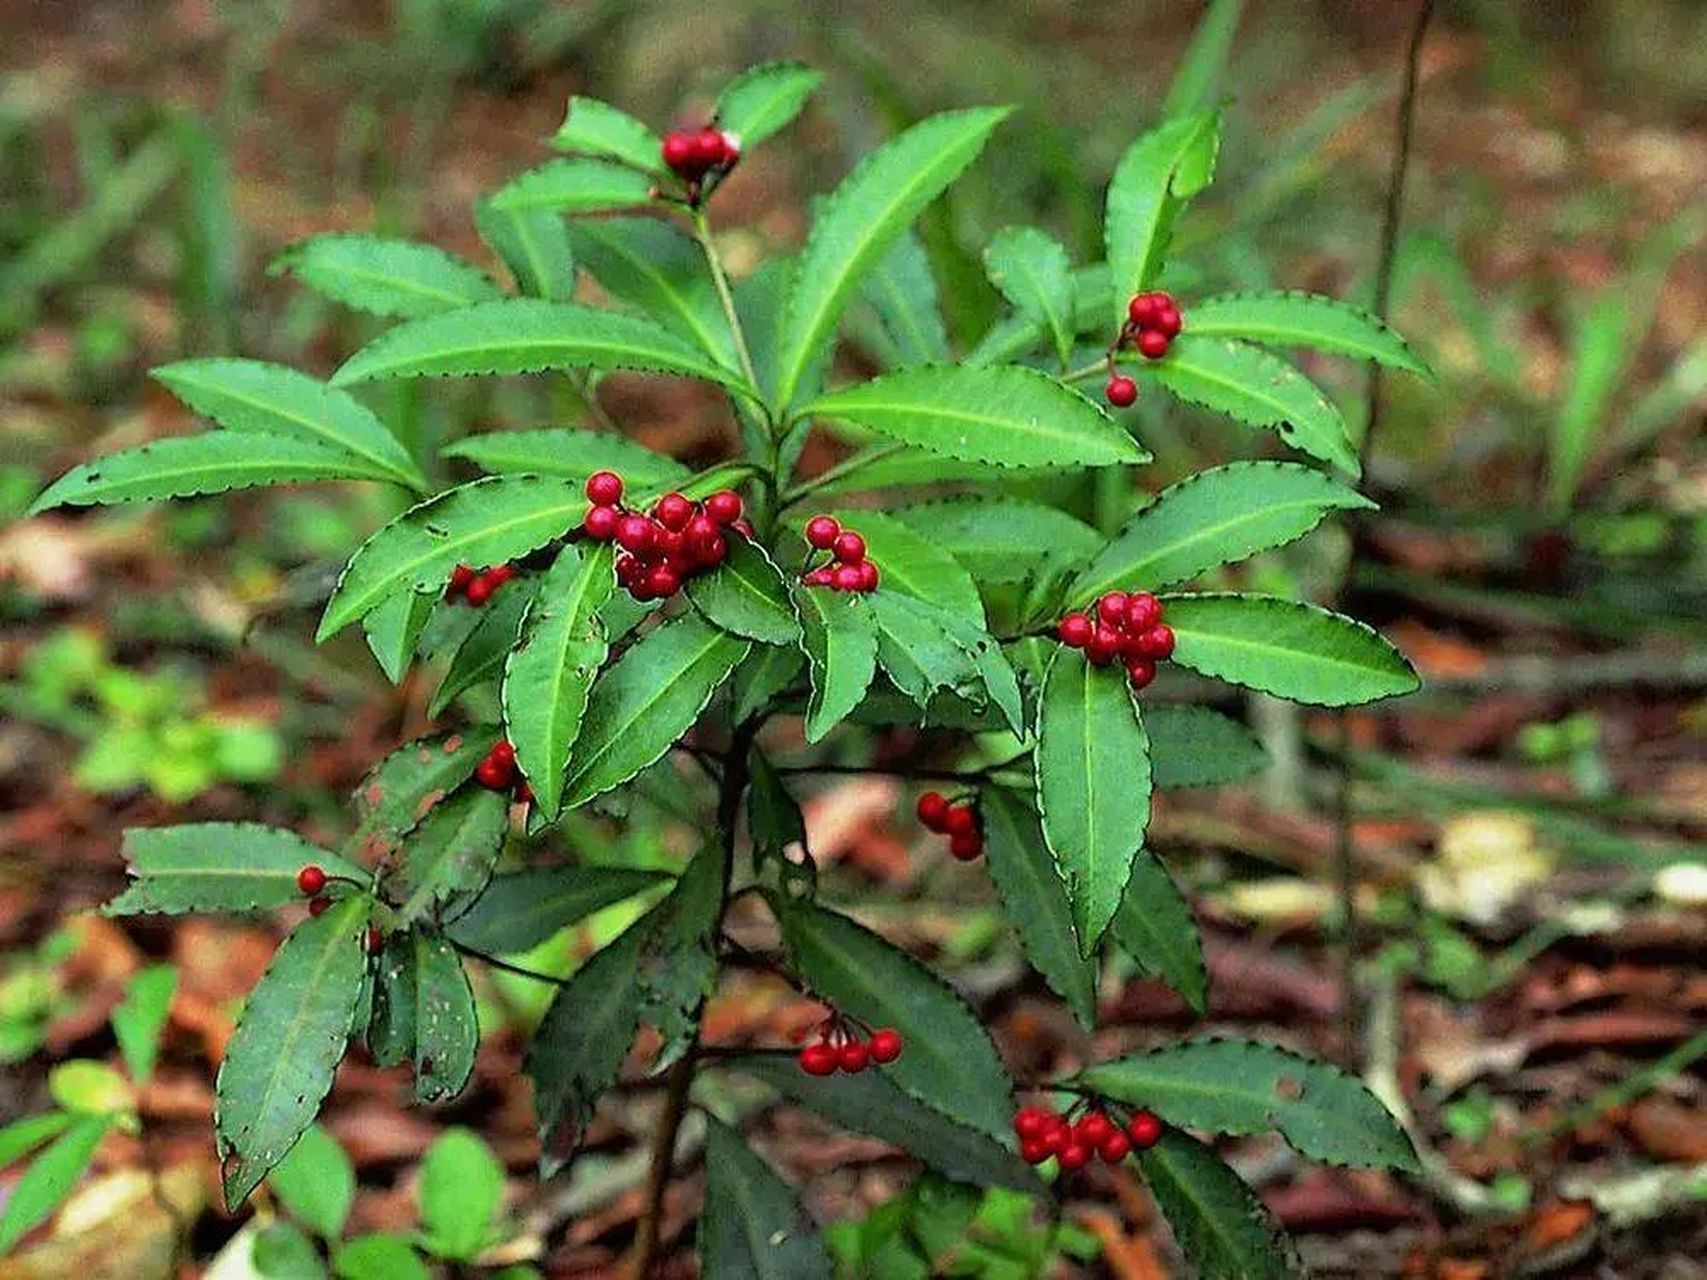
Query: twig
519,970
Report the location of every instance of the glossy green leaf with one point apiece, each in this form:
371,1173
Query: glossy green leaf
858,223
841,651
526,335
746,595
141,1016
1000,540
645,701
915,647
51,1177
752,1224
1287,318
1001,685
461,1192
901,290
661,270
1212,518
399,791
914,562
1245,1087
534,244
1221,1227
949,1062
1196,80
594,128
1295,651
1155,178
763,99
384,276
253,396
394,630
762,676
1197,747
575,186
1006,415
1034,898
550,673
1032,271
1093,785
678,969
1257,388
217,866
485,522
316,1183
569,452
287,1044
519,911
481,655
1155,926
451,853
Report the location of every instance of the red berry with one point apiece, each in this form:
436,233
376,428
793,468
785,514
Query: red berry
637,534
1114,1148
1034,1151
663,582
885,1044
1074,1156
1145,1129
701,526
960,819
524,793
1111,609
318,905
678,150
847,577
1121,391
853,1057
1144,308
375,940
629,569
1153,344
1141,672
1031,1123
868,575
494,775
601,523
604,488
966,845
708,149
1093,1129
498,575
1074,630
1169,321
502,751
822,531
460,577
1058,1137
724,506
479,591
849,547
710,551
933,810
818,1059
1102,646
820,577
673,512
311,880
1143,611
1157,642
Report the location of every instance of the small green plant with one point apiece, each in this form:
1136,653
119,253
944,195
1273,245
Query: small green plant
701,641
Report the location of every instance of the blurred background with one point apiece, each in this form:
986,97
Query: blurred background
1529,828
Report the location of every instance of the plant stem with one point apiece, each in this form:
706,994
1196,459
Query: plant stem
720,278
1345,868
1099,365
847,466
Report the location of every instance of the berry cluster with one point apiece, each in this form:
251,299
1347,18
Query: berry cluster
1043,1133
839,1048
847,568
1153,321
1128,627
662,550
498,772
477,585
694,154
959,822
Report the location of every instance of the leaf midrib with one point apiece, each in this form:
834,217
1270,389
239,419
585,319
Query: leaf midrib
1308,657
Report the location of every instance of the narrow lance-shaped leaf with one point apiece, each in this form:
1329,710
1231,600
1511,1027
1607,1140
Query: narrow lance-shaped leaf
550,673
519,911
841,650
289,1039
915,562
218,866
763,99
1288,318
534,244
447,1030
1033,272
1155,926
661,270
399,791
1295,651
745,595
752,1223
141,1017
861,219
1155,177
1221,1227
1215,517
394,629
51,1178
678,969
384,276
272,399
1600,352
1093,785
1000,539
916,648
480,656
1197,747
569,452
901,290
1195,80
450,853
595,128
575,186
21,1137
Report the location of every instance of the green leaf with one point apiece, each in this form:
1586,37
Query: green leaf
404,787
841,649
1257,388
903,293
519,911
746,596
595,128
393,631
188,466
1215,517
316,1183
1093,785
915,647
1287,318
1197,747
1600,352
1295,651
550,673
141,1017
378,1257
1034,898
1244,1087
481,655
678,968
871,1103
283,1252
645,701
884,468
484,522
86,1087
21,1137
526,335
761,676
575,186
858,223
752,1224
534,244
391,1014
386,277
50,1178
1000,540
462,1189
763,99
289,1039
1195,82
1219,1224
659,269
1155,178
567,452
774,819
270,399
1000,683
916,563
949,1062
1007,415
582,1041
217,866
1156,927
450,853
1033,272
